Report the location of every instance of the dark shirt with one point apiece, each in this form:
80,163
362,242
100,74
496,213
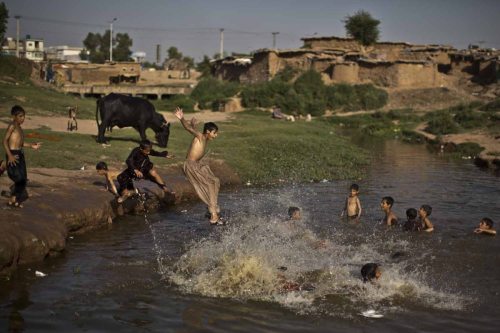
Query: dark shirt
412,225
138,161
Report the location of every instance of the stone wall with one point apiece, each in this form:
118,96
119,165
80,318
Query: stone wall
347,72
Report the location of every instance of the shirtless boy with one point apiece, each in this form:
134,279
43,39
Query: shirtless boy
424,212
352,204
13,143
485,227
109,176
197,172
390,218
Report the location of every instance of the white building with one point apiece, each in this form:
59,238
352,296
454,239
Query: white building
139,56
33,49
64,53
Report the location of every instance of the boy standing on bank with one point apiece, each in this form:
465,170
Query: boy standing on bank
198,172
13,143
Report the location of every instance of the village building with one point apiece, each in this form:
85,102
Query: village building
64,53
29,48
177,69
344,60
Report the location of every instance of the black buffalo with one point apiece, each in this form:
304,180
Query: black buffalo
125,111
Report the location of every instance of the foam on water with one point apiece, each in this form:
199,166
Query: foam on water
243,261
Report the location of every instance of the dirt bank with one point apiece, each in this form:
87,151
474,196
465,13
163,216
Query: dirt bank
489,157
65,202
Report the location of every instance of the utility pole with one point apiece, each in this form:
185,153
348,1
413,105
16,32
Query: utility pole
274,38
221,55
17,17
111,39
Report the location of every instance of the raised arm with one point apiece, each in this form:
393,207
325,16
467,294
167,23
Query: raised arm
188,125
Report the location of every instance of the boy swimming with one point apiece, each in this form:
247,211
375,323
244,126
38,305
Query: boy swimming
485,227
352,204
424,212
371,272
390,218
412,224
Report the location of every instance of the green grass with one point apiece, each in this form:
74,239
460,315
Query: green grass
259,149
43,102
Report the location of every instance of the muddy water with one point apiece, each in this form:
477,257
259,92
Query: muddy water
175,273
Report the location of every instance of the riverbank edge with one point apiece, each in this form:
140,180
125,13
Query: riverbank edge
65,203
486,159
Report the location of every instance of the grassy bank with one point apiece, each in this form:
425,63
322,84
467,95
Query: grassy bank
259,149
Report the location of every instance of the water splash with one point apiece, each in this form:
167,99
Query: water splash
269,259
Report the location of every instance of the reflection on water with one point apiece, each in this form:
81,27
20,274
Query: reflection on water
227,278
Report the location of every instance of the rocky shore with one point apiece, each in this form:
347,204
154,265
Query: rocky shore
63,203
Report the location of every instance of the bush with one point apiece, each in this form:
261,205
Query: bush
441,122
264,94
210,92
355,98
468,149
492,106
183,101
470,119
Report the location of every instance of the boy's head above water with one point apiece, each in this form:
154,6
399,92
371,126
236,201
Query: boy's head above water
387,202
354,190
411,213
370,271
294,213
486,223
425,210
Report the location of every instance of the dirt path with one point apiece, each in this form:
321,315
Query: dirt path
87,126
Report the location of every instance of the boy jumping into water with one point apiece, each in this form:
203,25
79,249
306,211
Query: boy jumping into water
485,227
139,166
412,224
198,172
13,143
352,204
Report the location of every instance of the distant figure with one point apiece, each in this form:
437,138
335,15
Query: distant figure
109,175
371,272
390,218
424,212
72,123
199,174
294,213
352,204
412,224
277,114
139,166
485,227
13,143
308,117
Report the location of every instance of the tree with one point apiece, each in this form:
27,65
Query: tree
97,47
4,16
204,67
173,53
362,27
122,50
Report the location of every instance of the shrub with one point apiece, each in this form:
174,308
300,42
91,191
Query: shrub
492,106
211,91
371,98
470,119
354,98
18,69
441,122
183,101
468,149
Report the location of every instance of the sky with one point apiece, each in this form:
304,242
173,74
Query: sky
193,25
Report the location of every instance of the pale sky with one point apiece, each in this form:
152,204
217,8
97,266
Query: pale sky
193,25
